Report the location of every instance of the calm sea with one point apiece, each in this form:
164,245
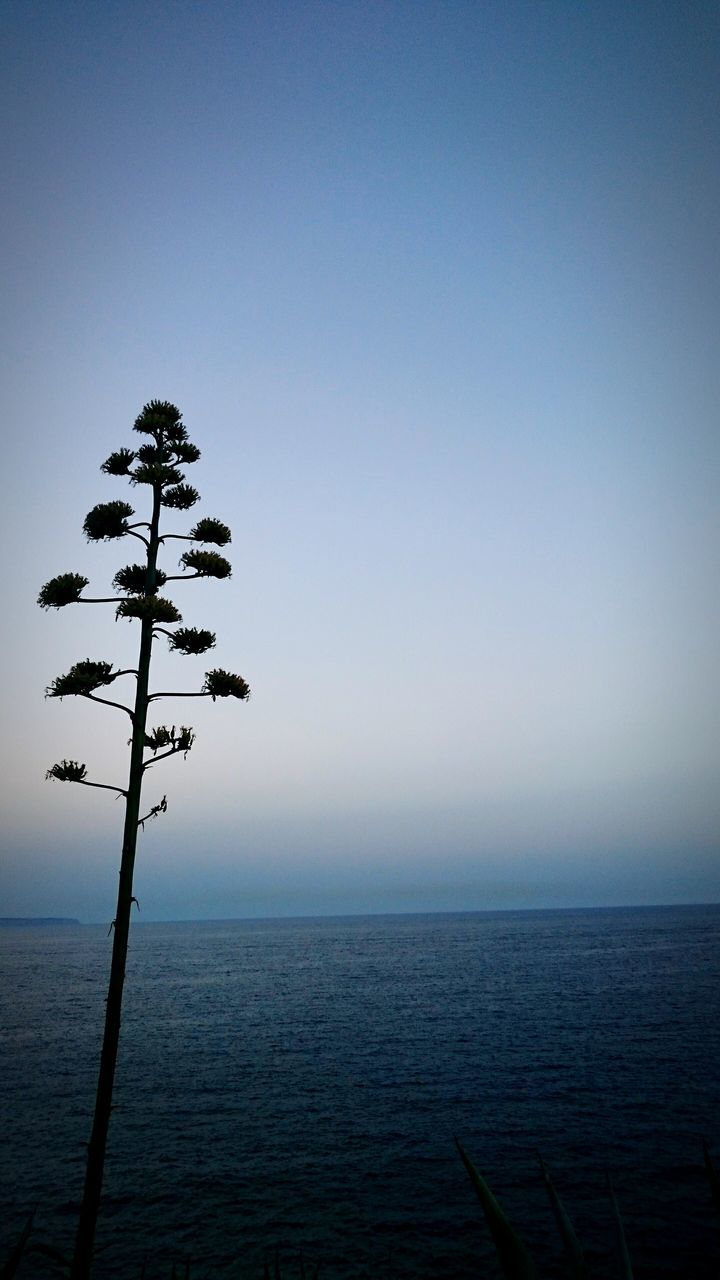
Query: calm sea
297,1084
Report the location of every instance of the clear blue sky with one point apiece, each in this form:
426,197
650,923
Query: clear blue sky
435,286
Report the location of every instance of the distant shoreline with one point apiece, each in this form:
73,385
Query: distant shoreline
13,922
10,922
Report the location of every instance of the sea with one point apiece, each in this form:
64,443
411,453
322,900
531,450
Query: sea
289,1092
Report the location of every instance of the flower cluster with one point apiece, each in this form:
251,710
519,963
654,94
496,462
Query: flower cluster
181,497
81,679
161,419
67,771
191,640
157,462
133,579
107,520
65,589
222,684
209,530
148,608
118,464
207,564
175,739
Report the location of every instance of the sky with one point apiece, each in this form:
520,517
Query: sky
435,286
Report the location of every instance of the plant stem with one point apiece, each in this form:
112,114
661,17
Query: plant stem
105,786
85,1237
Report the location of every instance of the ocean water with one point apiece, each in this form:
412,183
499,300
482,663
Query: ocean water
296,1084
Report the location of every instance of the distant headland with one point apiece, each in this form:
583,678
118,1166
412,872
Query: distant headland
9,922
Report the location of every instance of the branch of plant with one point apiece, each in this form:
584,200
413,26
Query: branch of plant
100,600
104,786
156,809
201,694
106,702
172,752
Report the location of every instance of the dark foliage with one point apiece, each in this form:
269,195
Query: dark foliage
214,531
65,589
207,564
174,739
191,640
133,579
154,608
181,497
186,452
150,453
107,520
156,473
67,771
80,679
159,417
222,684
15,1258
118,464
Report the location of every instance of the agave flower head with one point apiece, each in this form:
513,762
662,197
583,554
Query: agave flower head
65,589
207,564
209,530
223,684
81,679
148,608
181,497
191,640
67,771
133,579
107,520
118,464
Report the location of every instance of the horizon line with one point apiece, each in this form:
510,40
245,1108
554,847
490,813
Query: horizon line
9,921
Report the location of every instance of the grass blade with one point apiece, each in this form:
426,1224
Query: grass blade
515,1260
49,1251
712,1176
18,1250
574,1256
626,1271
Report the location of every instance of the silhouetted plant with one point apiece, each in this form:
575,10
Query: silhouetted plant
132,579
155,464
513,1257
190,640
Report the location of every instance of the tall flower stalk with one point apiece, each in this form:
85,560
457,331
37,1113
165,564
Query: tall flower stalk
155,464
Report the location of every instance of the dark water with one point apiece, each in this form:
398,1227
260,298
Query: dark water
298,1084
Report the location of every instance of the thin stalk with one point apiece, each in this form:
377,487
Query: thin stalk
201,694
85,1238
104,786
154,759
106,702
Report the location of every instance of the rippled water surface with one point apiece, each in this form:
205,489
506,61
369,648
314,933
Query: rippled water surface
297,1083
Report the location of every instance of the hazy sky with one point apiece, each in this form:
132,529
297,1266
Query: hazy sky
435,285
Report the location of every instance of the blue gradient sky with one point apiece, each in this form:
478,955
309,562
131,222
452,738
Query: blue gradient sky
435,286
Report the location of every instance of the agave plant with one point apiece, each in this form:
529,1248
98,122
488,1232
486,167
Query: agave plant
513,1256
155,465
